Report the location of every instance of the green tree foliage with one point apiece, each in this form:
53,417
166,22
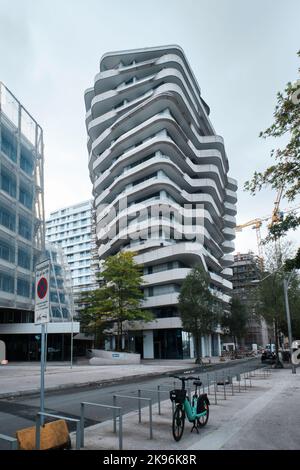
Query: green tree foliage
293,263
118,299
285,170
271,305
199,309
92,321
236,320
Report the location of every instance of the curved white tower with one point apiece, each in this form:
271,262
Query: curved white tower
161,185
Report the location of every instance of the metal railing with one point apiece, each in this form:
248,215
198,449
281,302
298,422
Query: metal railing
83,404
13,442
140,399
50,415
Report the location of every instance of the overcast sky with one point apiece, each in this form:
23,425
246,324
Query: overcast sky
242,53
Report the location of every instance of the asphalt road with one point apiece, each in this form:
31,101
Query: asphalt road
18,413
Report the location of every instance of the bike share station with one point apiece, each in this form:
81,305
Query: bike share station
158,419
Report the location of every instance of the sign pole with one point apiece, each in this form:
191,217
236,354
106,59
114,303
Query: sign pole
42,317
42,396
46,345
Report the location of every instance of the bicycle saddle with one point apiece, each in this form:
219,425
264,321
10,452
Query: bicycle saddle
198,383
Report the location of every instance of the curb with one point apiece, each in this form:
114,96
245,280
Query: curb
195,368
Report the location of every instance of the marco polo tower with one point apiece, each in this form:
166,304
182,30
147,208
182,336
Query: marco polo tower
161,187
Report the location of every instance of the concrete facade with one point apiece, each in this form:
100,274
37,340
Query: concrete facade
161,186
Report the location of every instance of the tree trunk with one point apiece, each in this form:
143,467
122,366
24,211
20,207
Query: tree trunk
197,346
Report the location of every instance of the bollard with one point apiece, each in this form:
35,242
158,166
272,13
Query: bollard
215,388
82,424
158,398
208,384
120,431
114,414
238,378
150,419
224,385
140,412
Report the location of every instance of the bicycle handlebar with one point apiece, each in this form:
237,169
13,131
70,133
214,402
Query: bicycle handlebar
183,379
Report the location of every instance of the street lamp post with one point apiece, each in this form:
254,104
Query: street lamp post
288,317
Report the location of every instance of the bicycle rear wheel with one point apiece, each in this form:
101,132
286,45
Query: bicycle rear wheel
178,422
202,421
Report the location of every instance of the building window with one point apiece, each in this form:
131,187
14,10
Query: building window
26,161
7,219
8,182
6,283
23,288
7,251
25,197
9,143
23,258
25,228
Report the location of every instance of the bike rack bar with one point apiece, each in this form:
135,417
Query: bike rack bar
83,404
139,398
159,391
50,415
13,442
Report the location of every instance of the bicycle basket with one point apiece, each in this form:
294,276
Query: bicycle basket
178,396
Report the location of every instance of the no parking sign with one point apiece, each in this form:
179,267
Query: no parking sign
42,281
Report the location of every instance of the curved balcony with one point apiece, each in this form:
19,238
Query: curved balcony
152,148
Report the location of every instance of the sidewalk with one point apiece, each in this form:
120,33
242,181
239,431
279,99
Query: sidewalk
265,416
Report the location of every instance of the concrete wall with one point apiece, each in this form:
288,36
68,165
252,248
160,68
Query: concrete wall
102,357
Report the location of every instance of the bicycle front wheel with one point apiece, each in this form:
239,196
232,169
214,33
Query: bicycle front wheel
178,422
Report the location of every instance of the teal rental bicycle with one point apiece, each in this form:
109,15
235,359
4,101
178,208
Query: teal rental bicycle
197,411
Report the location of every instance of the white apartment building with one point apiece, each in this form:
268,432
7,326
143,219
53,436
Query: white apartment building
161,186
71,229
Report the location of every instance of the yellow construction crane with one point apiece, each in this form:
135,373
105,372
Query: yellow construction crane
256,224
276,214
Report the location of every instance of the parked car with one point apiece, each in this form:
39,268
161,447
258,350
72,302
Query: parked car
268,357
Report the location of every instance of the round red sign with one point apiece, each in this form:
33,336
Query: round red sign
42,288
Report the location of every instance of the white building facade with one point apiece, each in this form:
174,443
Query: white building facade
161,187
71,229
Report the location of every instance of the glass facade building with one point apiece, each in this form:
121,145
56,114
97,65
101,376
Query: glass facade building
22,230
22,234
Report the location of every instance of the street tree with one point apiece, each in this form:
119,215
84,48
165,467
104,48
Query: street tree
236,320
199,309
285,169
119,296
91,319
